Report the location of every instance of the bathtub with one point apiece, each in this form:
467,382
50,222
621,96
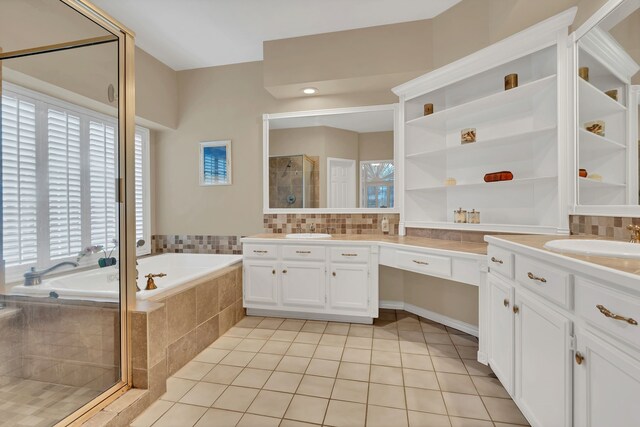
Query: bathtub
102,284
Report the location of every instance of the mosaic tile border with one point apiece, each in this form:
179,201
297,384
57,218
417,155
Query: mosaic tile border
330,223
196,244
612,227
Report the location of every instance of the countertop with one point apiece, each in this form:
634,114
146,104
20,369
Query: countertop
537,242
421,242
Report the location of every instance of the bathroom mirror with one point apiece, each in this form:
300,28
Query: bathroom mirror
338,160
607,70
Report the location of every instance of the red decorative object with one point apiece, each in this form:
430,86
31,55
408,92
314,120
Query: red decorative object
498,176
582,173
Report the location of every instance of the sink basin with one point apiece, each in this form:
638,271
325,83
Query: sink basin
308,236
607,248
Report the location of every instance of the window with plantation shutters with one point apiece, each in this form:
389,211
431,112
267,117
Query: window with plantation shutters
70,203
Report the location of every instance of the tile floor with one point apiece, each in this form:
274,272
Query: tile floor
401,371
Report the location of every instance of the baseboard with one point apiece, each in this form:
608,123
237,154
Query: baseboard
309,316
431,315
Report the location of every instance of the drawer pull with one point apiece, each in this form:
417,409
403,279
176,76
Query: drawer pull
516,309
303,252
531,276
255,251
420,262
506,302
579,358
607,313
333,274
496,260
349,254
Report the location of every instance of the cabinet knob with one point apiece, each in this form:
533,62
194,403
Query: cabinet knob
333,274
284,271
516,309
506,302
579,358
273,271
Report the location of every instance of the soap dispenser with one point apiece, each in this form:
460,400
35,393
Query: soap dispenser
385,225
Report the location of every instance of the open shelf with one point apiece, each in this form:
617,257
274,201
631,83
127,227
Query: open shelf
486,108
516,138
591,142
595,104
505,228
592,183
487,184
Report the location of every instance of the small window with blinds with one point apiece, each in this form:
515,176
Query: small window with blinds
59,169
215,163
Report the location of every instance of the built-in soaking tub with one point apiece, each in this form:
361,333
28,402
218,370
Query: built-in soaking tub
102,284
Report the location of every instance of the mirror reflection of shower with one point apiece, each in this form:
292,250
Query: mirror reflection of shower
294,182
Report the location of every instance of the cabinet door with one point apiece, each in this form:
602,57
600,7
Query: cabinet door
349,287
606,384
260,282
500,330
303,284
542,362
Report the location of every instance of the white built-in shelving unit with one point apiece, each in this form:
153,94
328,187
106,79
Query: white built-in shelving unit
521,130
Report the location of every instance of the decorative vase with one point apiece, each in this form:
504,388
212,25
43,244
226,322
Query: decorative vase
510,81
428,109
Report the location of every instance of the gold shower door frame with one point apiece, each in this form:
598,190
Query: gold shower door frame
125,186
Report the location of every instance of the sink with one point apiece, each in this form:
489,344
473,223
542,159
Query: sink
308,236
607,248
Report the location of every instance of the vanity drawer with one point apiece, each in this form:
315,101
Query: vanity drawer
260,251
552,283
500,261
304,252
424,263
350,254
614,312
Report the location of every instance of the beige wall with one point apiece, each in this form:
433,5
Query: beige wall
375,146
627,33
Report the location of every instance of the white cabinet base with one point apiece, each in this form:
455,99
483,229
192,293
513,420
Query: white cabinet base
309,315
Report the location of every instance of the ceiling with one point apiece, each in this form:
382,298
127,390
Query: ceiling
189,34
363,122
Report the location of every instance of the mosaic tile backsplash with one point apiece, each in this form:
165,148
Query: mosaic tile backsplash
330,223
196,244
612,227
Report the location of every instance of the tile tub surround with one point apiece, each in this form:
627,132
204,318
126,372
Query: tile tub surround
330,223
196,244
170,331
612,227
401,371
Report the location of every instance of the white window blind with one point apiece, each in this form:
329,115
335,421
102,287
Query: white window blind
102,171
139,172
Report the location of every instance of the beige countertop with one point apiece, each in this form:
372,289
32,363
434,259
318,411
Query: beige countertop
537,242
422,242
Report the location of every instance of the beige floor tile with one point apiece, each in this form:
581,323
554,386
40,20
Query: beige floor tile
437,338
152,413
223,374
308,338
275,347
211,355
464,340
386,358
293,423
176,388
386,395
316,386
238,332
314,326
249,322
292,325
308,409
286,382
328,352
337,329
251,420
270,323
238,358
386,345
293,364
253,378
364,331
323,368
465,405
359,342
181,415
507,425
504,410
447,364
456,383
420,379
261,334
194,370
385,334
411,336
203,394
351,391
270,403
433,328
226,343
490,387
356,355
265,361
301,349
345,414
417,361
333,340
468,422
219,417
467,352
419,399
250,345
476,368
378,416
413,347
409,327
287,336
443,350
386,375
422,419
236,398
354,371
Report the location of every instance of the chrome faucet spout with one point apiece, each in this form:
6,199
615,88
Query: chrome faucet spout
34,277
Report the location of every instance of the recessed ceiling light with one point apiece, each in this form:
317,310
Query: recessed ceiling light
310,90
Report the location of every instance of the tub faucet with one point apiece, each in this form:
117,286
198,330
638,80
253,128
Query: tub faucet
635,233
34,277
151,284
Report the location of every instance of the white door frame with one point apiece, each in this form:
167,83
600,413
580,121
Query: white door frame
353,184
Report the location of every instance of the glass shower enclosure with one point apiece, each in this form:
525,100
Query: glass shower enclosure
294,182
66,134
